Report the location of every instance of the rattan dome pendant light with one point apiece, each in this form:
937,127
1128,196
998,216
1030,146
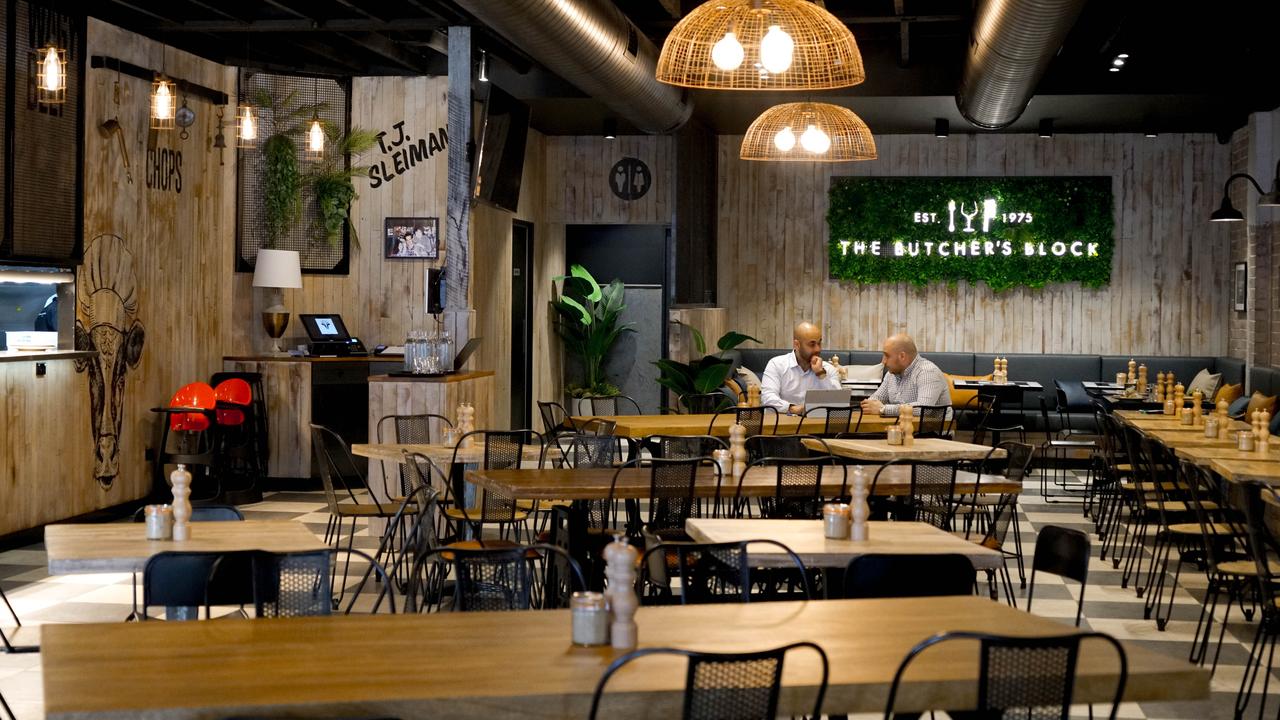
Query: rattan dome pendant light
760,45
808,132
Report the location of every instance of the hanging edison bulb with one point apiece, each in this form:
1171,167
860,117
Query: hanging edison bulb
728,53
246,127
831,134
162,107
51,75
315,139
785,139
777,50
814,140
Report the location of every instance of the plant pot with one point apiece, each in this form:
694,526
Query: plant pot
578,407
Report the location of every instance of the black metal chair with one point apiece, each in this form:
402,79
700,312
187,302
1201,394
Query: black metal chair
906,575
933,494
183,582
199,513
1266,547
1063,552
705,403
718,572
613,405
780,446
407,430
979,510
673,447
1020,674
672,498
725,685
836,420
754,419
934,421
1056,449
503,450
555,419
485,579
798,487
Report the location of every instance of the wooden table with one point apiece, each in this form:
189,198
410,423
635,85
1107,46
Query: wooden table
1187,438
123,547
1247,470
923,449
637,426
1206,454
1146,422
520,664
441,455
805,539
633,483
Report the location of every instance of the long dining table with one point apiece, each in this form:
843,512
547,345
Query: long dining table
638,426
522,665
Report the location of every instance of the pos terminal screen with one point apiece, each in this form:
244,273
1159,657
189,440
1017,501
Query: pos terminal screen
325,327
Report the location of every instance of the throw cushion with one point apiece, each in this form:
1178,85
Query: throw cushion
1230,393
747,378
1206,382
960,398
1258,401
864,372
1238,406
1275,424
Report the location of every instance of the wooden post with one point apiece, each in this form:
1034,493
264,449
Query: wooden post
458,214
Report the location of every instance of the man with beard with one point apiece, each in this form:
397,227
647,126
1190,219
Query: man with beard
788,377
909,379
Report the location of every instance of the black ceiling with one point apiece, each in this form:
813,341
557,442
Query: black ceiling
1186,72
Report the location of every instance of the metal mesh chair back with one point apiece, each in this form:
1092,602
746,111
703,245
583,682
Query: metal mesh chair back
1021,677
503,450
756,420
718,573
555,419
409,430
1222,524
671,501
705,403
837,420
491,579
613,405
798,487
187,579
934,421
905,575
292,584
588,451
777,446
933,487
743,686
338,471
675,447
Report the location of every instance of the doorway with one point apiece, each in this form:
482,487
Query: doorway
521,324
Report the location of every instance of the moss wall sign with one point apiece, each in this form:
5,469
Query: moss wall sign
1003,231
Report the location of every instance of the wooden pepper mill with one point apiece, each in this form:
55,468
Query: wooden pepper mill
1224,422
1160,387
1197,411
907,419
738,451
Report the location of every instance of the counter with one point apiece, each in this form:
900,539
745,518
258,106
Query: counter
19,356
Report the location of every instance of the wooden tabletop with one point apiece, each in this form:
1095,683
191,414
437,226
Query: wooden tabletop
1205,454
806,540
633,483
520,664
439,454
926,449
1187,438
637,426
123,547
1168,422
1247,470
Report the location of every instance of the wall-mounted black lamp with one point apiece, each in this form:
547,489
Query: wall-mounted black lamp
1227,212
610,128
1046,128
941,128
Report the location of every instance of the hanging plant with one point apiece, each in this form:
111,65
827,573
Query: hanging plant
281,176
329,181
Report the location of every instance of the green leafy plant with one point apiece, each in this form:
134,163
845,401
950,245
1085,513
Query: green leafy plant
329,181
281,177
587,321
708,374
1062,209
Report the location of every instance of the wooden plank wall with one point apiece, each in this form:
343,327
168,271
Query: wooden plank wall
1169,285
381,299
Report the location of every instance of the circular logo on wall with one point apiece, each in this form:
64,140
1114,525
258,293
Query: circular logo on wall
630,178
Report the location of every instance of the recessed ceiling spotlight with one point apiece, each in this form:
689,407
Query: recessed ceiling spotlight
1114,69
1123,56
1118,62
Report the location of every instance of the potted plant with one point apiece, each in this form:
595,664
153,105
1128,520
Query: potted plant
586,319
329,181
706,375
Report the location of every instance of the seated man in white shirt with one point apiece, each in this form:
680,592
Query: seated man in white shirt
788,377
910,379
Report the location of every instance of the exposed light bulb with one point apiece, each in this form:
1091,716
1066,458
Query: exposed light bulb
51,70
162,104
814,140
784,140
1118,62
315,137
728,53
776,50
248,126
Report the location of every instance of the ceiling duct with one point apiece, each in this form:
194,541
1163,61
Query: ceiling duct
1012,44
592,45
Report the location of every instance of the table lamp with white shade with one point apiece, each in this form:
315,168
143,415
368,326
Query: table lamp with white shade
276,269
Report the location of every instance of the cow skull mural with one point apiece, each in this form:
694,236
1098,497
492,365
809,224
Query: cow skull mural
107,323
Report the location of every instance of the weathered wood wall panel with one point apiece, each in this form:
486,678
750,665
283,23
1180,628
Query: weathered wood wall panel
177,219
381,299
1169,284
287,386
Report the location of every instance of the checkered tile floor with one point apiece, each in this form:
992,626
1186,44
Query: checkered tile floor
40,598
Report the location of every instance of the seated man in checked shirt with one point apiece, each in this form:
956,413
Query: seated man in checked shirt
910,379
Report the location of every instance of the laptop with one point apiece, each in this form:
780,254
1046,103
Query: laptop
828,398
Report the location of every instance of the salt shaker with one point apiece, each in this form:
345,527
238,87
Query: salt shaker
1211,427
1244,441
159,522
590,618
835,521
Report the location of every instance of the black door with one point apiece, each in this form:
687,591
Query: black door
521,323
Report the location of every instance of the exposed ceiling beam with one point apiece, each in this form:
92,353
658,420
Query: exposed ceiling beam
390,50
297,25
213,9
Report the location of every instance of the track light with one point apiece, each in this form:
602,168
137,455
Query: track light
941,127
484,66
1046,128
610,128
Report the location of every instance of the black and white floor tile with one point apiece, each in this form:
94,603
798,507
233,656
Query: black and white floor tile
40,598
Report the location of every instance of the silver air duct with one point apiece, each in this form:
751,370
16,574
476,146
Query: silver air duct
591,44
1013,42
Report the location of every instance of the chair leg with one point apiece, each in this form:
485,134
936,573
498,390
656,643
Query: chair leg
1132,548
8,711
1204,625
1154,586
1262,640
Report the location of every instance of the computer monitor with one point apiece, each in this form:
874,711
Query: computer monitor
325,328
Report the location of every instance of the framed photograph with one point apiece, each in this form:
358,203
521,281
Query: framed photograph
1239,286
411,238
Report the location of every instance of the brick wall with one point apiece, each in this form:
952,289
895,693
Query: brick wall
1254,335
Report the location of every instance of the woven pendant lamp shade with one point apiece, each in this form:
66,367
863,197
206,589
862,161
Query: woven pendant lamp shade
850,137
825,55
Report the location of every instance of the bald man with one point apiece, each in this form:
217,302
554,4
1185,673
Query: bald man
788,377
910,379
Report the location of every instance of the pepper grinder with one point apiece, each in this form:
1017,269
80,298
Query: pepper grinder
181,481
1224,422
738,450
620,569
906,418
1132,376
1197,411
